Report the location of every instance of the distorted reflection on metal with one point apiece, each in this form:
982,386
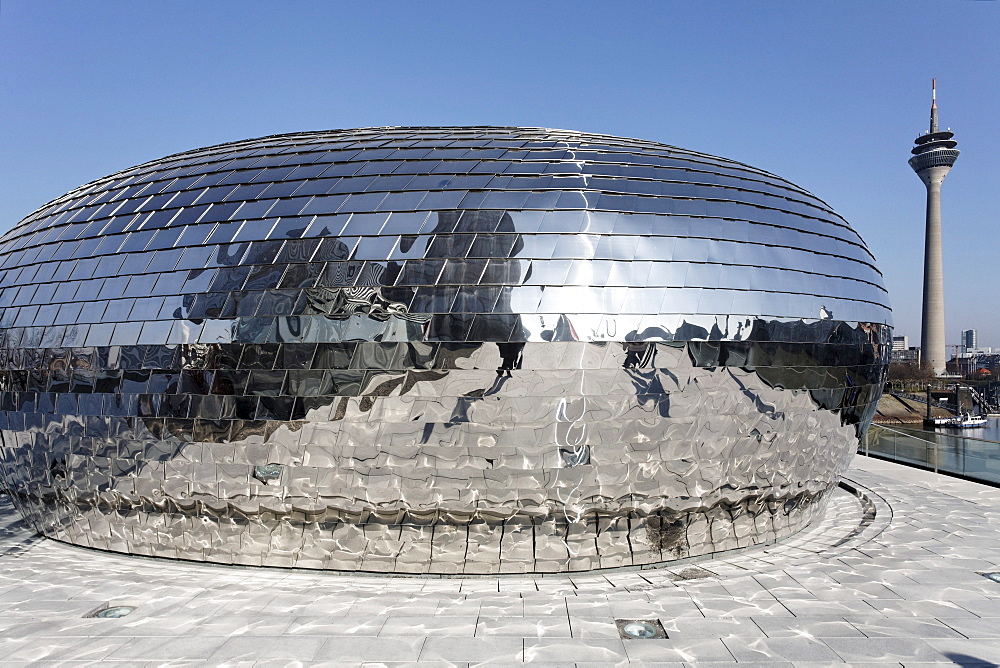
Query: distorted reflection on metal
268,473
434,350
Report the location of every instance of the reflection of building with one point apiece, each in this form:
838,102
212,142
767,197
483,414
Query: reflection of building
447,350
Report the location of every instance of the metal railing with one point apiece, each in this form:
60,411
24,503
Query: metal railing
985,404
963,456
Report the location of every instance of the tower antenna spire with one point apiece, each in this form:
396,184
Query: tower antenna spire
934,113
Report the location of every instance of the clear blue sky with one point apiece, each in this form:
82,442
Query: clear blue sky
829,95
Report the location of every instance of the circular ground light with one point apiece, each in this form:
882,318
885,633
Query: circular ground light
114,612
640,630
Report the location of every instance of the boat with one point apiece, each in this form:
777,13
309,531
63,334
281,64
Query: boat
967,421
939,421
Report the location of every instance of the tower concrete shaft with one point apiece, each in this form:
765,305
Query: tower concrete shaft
933,156
932,329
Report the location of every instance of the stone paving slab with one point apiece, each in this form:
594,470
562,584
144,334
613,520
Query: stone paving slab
889,577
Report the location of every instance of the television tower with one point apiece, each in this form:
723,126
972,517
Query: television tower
933,155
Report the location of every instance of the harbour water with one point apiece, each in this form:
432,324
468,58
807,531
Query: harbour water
972,453
991,432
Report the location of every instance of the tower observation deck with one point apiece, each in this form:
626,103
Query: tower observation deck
933,156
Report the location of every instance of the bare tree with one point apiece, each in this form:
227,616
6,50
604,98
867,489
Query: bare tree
904,375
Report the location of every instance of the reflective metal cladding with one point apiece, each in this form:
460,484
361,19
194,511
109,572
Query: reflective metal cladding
434,350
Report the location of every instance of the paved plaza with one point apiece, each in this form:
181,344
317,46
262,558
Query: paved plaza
891,576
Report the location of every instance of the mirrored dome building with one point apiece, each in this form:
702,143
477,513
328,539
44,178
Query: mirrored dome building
434,350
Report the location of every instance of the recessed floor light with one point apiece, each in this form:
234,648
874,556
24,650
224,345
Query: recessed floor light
113,612
640,629
991,576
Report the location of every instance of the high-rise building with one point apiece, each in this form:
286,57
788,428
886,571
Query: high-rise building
933,155
900,342
970,339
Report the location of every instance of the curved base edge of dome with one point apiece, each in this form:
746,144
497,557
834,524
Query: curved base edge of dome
533,546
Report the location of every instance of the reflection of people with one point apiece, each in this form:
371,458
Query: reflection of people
510,357
562,331
468,264
480,246
640,365
639,354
